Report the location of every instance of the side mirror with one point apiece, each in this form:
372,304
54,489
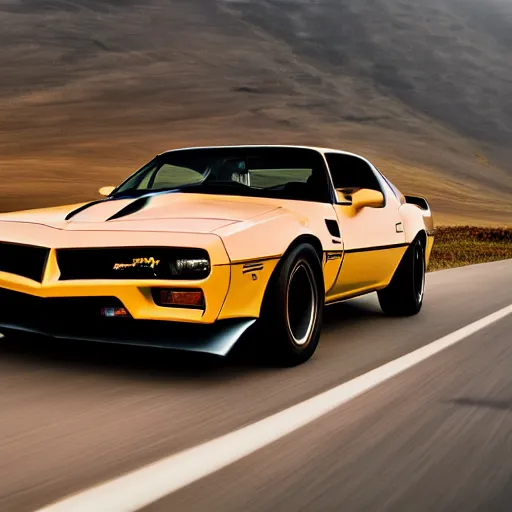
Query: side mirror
106,191
344,196
367,198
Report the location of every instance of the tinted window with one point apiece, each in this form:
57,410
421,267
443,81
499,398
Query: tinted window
174,176
262,178
393,188
285,173
351,172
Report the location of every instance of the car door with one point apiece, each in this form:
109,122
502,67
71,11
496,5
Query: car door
373,236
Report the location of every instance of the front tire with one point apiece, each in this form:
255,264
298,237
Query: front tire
404,295
292,310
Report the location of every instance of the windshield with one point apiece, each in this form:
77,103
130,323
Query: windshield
288,173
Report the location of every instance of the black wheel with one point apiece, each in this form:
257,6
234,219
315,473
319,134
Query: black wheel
292,311
404,295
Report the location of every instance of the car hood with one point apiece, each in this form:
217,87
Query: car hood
192,213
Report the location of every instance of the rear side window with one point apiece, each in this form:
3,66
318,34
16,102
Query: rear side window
395,190
349,171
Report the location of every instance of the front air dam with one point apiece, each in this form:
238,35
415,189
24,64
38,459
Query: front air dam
216,339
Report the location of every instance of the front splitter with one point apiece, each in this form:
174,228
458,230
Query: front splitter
216,339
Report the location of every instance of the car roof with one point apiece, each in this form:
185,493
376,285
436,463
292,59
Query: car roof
284,146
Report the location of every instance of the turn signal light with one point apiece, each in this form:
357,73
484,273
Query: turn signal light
182,298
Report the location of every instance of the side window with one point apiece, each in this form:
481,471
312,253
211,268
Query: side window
348,171
393,188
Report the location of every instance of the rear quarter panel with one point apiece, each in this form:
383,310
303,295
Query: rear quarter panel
415,219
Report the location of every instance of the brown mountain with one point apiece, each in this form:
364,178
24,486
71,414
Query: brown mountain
91,89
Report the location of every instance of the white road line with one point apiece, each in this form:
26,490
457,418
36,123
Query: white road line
148,484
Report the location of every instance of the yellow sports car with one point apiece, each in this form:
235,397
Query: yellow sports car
203,244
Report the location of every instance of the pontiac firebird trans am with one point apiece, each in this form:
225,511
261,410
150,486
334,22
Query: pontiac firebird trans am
203,244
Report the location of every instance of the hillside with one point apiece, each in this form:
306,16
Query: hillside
91,89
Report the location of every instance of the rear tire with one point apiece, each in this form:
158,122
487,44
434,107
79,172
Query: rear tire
404,295
292,310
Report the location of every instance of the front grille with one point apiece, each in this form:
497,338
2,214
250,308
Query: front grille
80,318
118,263
49,314
23,260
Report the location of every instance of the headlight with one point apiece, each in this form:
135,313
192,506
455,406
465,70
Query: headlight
195,267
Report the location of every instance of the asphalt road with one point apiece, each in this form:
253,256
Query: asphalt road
437,437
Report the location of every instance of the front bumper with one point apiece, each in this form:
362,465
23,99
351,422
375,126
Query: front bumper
79,319
134,294
71,309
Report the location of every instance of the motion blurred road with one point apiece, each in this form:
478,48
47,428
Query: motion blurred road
436,437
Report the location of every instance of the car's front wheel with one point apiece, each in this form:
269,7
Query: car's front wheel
404,295
291,315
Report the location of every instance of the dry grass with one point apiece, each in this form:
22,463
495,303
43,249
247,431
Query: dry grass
467,245
92,89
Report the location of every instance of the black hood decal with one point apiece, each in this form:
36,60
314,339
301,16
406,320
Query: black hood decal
72,213
133,207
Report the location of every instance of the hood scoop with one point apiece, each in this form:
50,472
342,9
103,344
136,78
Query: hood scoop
133,207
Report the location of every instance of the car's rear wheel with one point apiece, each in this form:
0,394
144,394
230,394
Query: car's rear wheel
291,315
404,295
